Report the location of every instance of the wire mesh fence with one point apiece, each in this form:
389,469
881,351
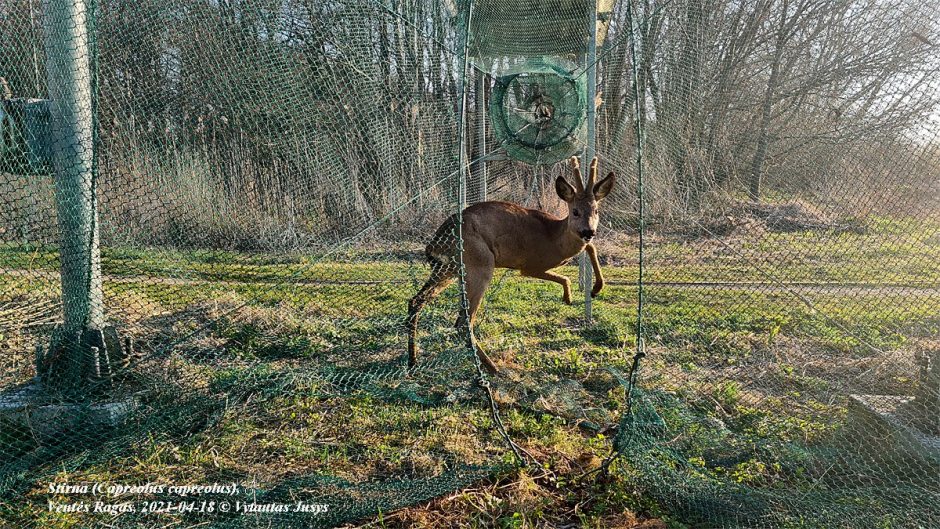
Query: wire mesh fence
231,254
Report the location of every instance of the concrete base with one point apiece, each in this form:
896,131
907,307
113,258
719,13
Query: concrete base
890,414
29,407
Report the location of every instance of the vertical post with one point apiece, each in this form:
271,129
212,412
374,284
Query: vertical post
479,143
85,355
463,37
481,359
69,77
927,397
585,274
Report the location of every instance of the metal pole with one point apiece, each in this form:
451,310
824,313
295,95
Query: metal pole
69,77
479,356
463,37
585,272
479,145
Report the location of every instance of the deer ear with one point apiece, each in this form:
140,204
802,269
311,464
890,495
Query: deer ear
564,189
602,188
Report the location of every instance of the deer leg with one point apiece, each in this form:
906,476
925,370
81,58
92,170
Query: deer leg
479,268
555,278
440,279
596,265
477,282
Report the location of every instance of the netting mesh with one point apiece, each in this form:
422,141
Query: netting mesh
232,253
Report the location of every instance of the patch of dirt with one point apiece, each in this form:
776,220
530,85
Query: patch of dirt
737,225
500,502
755,219
797,216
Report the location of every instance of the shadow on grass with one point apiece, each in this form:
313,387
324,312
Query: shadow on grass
163,414
333,496
180,417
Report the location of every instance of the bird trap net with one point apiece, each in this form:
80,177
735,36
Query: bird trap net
217,217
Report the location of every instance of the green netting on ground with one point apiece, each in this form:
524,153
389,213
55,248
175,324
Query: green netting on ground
219,219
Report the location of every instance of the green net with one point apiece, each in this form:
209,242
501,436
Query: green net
232,257
538,112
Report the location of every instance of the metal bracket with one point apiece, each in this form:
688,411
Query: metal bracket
82,363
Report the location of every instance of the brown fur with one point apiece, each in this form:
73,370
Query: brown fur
505,235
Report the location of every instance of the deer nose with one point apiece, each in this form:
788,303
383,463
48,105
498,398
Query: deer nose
587,235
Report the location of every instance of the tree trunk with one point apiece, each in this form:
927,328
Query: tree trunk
760,154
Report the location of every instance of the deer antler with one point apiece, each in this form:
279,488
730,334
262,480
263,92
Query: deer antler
578,182
592,176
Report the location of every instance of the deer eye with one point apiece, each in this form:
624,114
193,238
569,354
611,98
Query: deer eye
576,213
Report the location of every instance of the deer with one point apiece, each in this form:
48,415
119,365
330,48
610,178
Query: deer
505,235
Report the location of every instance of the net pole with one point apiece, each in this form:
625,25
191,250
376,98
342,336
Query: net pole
585,275
70,85
479,154
463,30
626,430
463,37
463,65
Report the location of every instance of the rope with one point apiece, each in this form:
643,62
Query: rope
620,443
464,165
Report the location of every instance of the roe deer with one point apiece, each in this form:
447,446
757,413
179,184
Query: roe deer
504,235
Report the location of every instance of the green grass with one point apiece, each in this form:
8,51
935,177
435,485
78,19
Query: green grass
748,383
892,251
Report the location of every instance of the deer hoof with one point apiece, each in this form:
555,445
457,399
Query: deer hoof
487,362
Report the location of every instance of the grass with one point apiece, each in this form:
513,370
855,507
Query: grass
744,387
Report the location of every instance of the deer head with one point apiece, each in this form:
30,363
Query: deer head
583,200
